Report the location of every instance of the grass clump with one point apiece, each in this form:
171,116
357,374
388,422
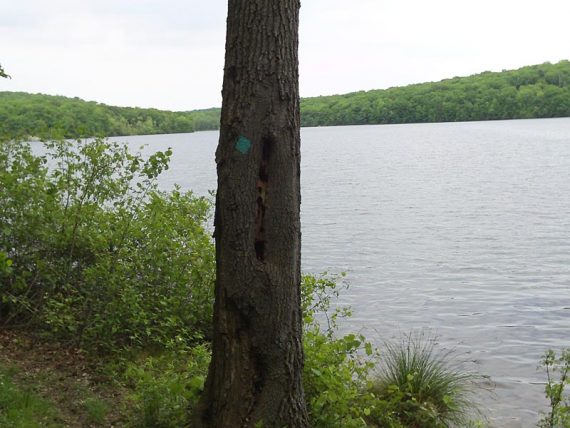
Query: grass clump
349,383
96,410
421,387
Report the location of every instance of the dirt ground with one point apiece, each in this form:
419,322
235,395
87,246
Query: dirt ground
65,377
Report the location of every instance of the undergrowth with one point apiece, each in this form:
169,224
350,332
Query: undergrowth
423,386
21,407
557,368
93,255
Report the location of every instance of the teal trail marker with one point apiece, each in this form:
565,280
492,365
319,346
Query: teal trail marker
243,145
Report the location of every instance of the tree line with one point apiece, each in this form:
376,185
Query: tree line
537,91
25,115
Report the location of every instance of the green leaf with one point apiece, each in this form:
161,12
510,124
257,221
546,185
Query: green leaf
316,372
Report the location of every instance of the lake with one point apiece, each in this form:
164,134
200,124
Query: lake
462,229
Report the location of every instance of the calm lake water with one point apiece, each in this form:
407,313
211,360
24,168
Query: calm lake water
459,228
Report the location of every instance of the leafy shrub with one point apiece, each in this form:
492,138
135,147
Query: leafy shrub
336,369
556,392
99,256
167,386
5,264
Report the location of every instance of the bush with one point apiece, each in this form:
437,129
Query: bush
99,256
5,264
166,387
336,369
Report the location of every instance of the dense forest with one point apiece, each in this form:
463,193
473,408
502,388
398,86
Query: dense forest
536,91
23,114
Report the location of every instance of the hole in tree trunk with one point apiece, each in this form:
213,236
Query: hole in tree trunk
266,149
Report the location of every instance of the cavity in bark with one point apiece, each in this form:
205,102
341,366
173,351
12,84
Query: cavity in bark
262,182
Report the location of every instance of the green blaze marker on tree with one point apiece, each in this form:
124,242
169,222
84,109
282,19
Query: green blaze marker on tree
243,145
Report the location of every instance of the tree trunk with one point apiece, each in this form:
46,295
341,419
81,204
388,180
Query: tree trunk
255,374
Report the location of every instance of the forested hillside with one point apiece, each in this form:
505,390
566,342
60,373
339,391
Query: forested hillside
23,114
536,91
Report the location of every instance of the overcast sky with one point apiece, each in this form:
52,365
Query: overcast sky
169,54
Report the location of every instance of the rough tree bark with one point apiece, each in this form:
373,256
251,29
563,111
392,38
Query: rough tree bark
255,374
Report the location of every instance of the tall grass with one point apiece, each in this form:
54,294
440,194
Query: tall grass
21,407
425,387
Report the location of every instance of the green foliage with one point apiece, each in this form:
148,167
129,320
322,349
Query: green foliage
3,73
5,265
556,392
92,253
536,91
335,376
21,407
349,384
166,387
96,410
99,256
420,388
336,369
46,116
